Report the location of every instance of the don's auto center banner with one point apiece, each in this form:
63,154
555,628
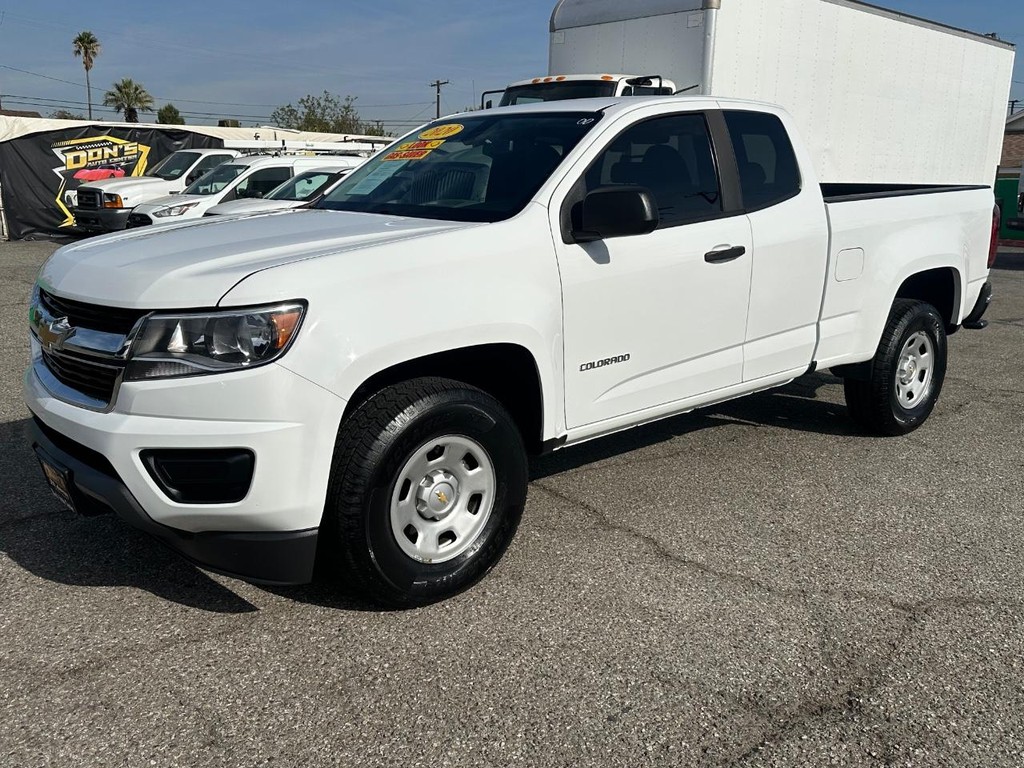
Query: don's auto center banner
38,170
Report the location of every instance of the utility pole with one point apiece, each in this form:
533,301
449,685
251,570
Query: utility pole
436,85
1013,106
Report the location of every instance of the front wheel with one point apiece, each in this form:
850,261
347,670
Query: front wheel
907,373
427,489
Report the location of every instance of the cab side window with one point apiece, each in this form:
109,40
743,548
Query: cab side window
263,181
769,173
671,157
210,161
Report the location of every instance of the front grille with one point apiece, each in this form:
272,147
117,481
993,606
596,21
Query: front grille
92,316
139,220
88,198
91,378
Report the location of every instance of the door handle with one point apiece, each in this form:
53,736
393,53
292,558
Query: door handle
729,254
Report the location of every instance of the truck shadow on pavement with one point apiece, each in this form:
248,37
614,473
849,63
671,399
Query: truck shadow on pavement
54,544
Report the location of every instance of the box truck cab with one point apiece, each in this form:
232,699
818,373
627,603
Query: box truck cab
559,87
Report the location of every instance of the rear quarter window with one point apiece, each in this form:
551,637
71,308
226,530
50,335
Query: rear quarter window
769,173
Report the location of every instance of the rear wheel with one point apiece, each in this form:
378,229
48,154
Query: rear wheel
907,373
427,489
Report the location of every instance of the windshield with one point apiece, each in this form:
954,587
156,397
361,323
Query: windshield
478,169
215,180
172,166
303,186
577,89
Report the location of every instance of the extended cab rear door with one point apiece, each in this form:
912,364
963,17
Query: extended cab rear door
783,202
654,319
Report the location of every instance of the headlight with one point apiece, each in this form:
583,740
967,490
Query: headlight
175,210
188,345
112,201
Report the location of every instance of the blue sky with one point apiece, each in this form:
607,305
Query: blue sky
250,57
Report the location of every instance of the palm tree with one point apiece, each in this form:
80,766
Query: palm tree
86,47
128,97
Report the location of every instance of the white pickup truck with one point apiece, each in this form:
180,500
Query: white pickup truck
367,378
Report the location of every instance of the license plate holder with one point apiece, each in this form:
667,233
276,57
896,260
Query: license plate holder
59,480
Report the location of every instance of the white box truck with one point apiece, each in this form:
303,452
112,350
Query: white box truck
874,92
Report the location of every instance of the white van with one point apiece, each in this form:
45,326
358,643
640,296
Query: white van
243,178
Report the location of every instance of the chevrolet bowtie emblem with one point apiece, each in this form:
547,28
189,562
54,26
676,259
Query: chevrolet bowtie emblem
53,332
442,497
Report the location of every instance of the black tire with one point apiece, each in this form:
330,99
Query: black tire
374,445
874,403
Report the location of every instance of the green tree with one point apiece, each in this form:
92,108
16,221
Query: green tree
324,114
63,114
128,98
86,47
169,115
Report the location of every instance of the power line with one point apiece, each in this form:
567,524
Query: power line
216,103
36,74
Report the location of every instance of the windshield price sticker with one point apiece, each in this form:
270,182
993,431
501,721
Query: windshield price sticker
443,131
413,145
378,176
415,154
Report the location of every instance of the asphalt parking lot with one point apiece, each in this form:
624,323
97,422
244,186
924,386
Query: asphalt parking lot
754,584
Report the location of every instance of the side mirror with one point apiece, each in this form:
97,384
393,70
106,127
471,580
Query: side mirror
616,212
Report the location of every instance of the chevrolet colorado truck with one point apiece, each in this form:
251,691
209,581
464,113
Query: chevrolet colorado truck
363,381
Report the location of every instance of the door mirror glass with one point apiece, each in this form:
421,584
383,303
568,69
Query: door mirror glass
619,211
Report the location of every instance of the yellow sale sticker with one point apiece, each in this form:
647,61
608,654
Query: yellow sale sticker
411,145
443,131
415,154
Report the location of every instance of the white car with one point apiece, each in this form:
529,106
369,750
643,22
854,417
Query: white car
300,190
104,206
245,178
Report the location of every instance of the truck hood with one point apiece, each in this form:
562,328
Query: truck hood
130,185
193,264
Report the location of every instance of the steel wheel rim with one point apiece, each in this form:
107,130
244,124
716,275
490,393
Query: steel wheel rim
442,499
915,372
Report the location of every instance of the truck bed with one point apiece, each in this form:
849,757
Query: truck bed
882,234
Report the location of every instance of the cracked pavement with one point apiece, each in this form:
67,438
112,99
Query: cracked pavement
753,584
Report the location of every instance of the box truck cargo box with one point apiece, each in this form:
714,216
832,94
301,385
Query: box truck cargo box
880,96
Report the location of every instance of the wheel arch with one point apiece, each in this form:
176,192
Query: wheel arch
942,287
508,372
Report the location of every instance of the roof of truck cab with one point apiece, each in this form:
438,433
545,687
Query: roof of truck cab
611,105
546,79
306,161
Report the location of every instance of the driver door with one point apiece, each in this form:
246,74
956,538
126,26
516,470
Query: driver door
657,319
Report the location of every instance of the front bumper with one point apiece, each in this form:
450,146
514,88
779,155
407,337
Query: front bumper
265,557
101,219
287,423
